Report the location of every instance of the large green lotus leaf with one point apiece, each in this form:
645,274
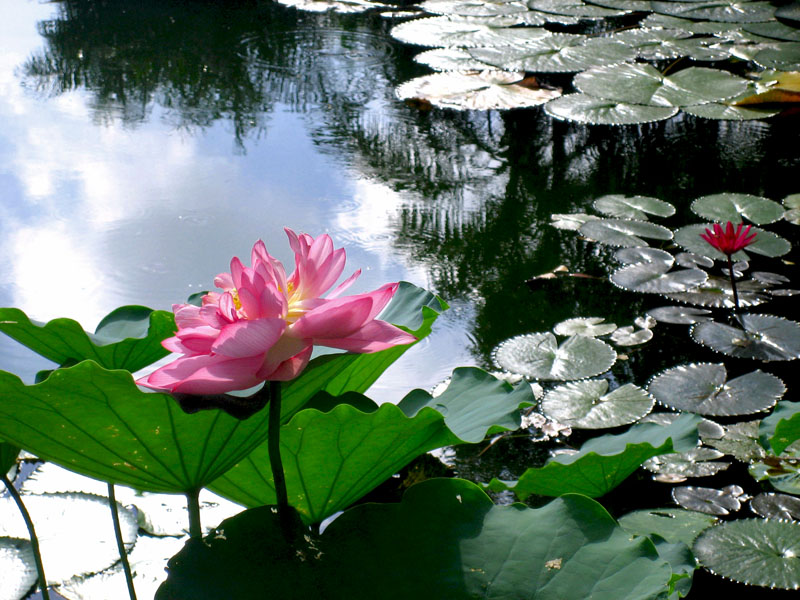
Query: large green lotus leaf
539,356
575,8
128,338
717,292
555,53
604,462
624,232
673,524
633,207
412,308
717,10
776,506
596,111
8,457
465,32
656,278
478,90
727,112
781,428
732,207
766,243
586,405
98,423
774,29
752,551
446,539
784,57
18,567
704,388
764,337
331,459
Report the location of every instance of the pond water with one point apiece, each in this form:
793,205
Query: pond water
142,145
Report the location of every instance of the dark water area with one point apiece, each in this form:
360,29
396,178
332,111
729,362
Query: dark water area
146,143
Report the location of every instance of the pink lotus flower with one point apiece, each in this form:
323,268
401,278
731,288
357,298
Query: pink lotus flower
263,325
729,241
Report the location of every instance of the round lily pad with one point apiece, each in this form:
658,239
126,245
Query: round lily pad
732,207
672,524
690,259
717,10
696,27
450,59
588,326
728,112
774,29
585,404
597,111
740,440
633,207
681,315
656,278
473,8
717,292
539,356
700,462
623,232
766,243
628,336
708,500
763,337
575,8
753,551
782,472
783,57
703,388
635,255
463,32
479,90
776,506
571,222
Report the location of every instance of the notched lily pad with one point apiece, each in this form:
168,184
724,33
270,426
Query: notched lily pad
708,500
623,232
703,388
717,10
776,506
766,243
584,108
628,336
588,326
463,32
656,278
681,315
633,207
571,222
717,292
586,405
678,466
732,207
762,337
635,255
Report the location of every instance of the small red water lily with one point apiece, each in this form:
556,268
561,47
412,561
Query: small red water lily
729,241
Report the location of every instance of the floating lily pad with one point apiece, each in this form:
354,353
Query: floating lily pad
774,29
678,466
717,292
732,207
337,6
450,59
682,315
539,356
656,278
776,506
752,551
781,428
696,27
766,243
782,472
571,222
588,326
708,500
645,322
635,255
627,5
473,8
18,568
784,57
727,112
627,336
789,13
703,388
633,207
463,32
638,83
623,232
596,111
673,524
481,90
555,53
792,205
690,259
575,8
585,404
738,439
764,337
717,10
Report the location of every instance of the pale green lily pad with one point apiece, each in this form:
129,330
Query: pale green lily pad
776,506
790,13
781,429
766,243
635,255
18,568
575,8
656,278
626,5
463,32
539,356
784,57
732,207
704,389
681,315
450,59
699,49
696,27
709,500
473,8
632,207
774,29
752,551
717,292
673,524
690,259
481,90
596,111
764,337
627,336
717,10
571,222
678,466
624,232
727,112
555,53
792,205
585,404
588,326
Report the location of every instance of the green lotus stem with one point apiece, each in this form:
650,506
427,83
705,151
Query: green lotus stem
37,557
274,448
193,506
733,286
123,555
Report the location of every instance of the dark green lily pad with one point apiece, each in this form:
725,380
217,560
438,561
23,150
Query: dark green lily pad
781,428
623,232
784,57
450,59
588,326
703,388
774,29
539,356
632,207
766,243
626,5
732,207
696,27
673,524
681,315
752,551
678,466
586,405
717,10
596,111
740,440
18,567
782,472
717,292
776,506
708,500
764,337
